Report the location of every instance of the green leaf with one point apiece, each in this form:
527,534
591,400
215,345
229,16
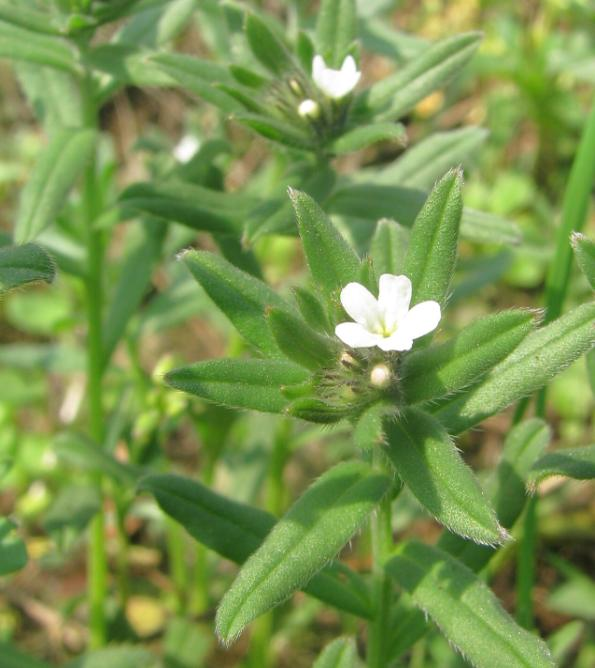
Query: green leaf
115,657
388,247
541,356
429,464
311,309
395,95
425,162
432,252
466,358
191,205
24,17
20,265
19,43
13,553
282,132
300,343
266,46
316,527
315,410
158,25
243,298
12,658
240,383
336,30
369,429
577,463
364,136
584,251
331,260
57,169
341,653
132,283
235,531
465,609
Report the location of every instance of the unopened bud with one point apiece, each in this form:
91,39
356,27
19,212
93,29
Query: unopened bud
380,376
296,87
348,360
309,109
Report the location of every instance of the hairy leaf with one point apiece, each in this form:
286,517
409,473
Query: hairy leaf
366,135
584,251
577,463
20,265
340,653
336,30
388,247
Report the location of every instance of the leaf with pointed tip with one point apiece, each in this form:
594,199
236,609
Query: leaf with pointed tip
331,260
20,265
427,461
388,247
18,43
311,533
282,132
432,252
341,653
336,30
466,358
27,18
311,309
239,383
584,251
316,410
58,167
577,463
235,531
541,355
465,610
366,135
243,298
266,46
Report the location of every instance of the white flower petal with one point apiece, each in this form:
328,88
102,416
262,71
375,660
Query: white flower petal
349,67
394,295
356,335
399,341
335,84
421,319
318,67
362,306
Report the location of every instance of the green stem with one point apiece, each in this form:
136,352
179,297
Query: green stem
526,566
199,601
382,542
177,563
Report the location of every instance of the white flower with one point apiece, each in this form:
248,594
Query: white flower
386,322
308,109
335,83
186,148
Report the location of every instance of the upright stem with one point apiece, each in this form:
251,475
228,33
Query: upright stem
97,558
382,542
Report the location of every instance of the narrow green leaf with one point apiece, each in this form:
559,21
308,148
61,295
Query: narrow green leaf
12,658
421,165
341,653
311,309
20,265
121,656
577,463
19,43
57,169
395,95
266,46
315,410
282,132
432,252
331,260
235,531
466,358
13,553
240,383
369,429
336,30
364,136
300,343
541,356
312,532
243,298
388,247
247,77
489,228
584,251
465,609
28,18
429,464
192,205
155,26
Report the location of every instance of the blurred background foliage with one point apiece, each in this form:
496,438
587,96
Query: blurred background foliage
529,86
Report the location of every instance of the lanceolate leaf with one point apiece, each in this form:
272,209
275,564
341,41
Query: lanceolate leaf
429,464
577,463
20,265
277,130
462,361
432,252
332,261
388,247
364,136
335,30
21,44
584,251
465,609
239,383
24,17
266,46
243,298
542,355
341,653
58,167
395,95
235,531
311,533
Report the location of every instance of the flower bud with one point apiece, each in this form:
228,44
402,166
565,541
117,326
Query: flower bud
309,109
380,376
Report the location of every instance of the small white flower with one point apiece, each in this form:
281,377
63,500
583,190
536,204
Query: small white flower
386,322
308,109
186,148
335,83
